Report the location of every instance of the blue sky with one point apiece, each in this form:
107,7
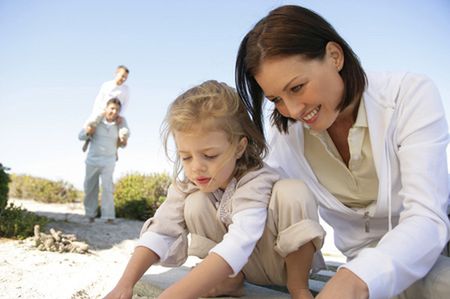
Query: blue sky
54,55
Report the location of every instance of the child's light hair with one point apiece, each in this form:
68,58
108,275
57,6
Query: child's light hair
213,106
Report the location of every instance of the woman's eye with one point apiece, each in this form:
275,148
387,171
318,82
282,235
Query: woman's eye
275,100
297,88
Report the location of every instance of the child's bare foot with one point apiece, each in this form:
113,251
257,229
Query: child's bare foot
302,294
232,287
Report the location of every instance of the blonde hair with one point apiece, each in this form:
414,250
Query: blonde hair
213,106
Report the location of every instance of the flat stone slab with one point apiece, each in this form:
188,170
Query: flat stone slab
151,285
159,278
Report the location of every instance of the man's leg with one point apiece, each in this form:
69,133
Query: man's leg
91,191
108,211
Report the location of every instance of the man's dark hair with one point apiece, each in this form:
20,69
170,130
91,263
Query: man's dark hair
114,101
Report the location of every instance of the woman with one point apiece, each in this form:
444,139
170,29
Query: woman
372,149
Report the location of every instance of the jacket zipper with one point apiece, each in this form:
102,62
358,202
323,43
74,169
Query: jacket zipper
366,223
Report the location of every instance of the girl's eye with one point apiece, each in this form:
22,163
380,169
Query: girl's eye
211,157
185,158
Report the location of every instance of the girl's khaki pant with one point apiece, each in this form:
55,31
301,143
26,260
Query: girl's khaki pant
292,221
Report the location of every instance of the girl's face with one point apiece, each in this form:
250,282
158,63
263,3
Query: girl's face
305,90
208,157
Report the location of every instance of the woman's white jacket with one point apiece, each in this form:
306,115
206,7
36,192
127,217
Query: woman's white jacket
396,240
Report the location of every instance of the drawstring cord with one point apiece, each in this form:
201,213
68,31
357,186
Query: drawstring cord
389,183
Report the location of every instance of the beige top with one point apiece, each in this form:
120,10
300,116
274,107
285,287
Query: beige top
243,203
356,186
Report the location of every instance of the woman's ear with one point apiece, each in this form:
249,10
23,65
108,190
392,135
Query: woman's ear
336,54
241,147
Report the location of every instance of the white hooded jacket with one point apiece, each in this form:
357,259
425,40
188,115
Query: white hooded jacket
408,223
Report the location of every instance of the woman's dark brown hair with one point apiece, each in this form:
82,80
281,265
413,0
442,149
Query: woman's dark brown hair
285,31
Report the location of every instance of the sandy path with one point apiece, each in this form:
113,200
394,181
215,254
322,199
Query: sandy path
28,273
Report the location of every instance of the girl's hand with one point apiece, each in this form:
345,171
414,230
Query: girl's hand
302,294
120,293
344,285
200,280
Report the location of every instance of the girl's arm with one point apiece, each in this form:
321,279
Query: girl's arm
211,271
140,261
226,258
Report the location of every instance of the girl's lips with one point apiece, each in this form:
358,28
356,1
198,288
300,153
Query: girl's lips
203,181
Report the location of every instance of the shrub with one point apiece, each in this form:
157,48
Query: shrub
19,223
15,221
137,196
44,190
4,180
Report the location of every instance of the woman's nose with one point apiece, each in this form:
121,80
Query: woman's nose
294,108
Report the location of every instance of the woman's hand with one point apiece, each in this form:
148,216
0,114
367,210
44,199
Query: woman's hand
344,285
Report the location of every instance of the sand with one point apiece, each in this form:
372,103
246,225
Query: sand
26,272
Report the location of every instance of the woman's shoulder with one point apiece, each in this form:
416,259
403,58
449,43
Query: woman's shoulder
389,80
385,87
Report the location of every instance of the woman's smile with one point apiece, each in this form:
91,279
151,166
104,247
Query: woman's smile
311,116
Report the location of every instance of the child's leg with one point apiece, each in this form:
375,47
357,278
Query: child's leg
123,129
206,232
298,265
124,133
91,190
107,208
284,254
93,122
201,221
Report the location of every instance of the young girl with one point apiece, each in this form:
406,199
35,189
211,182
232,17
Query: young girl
222,200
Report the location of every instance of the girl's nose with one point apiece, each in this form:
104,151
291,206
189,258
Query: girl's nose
197,165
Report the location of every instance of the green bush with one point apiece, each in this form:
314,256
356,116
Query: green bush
137,196
14,221
19,223
44,190
4,180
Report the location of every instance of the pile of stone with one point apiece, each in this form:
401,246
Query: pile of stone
58,242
